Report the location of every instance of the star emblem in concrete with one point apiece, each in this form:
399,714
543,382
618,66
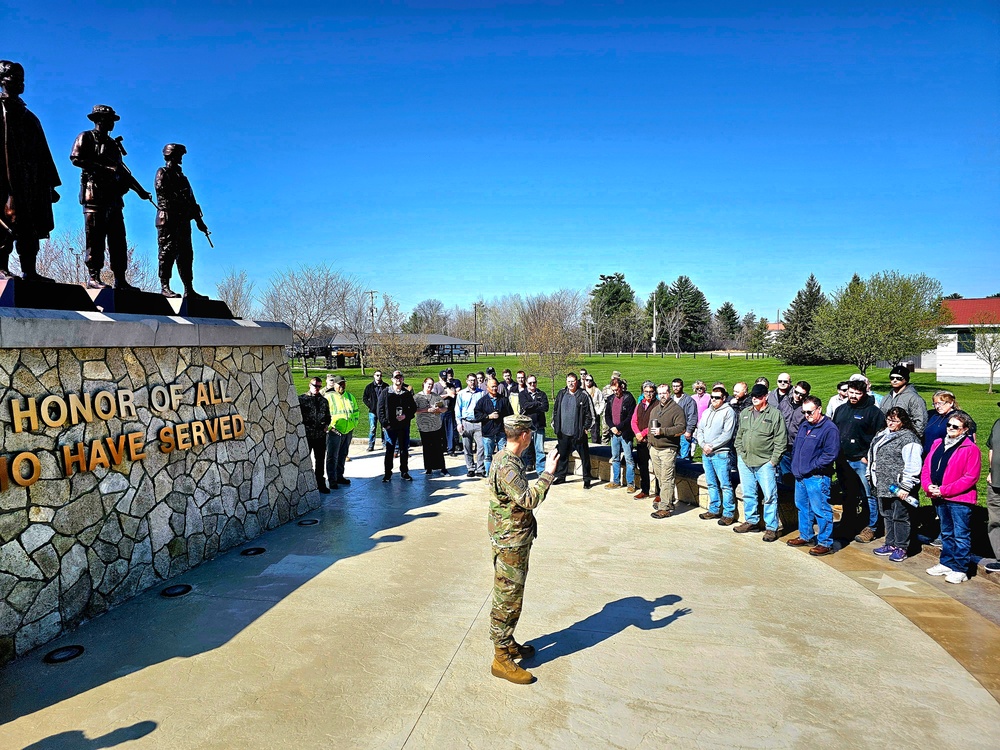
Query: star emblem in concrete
886,581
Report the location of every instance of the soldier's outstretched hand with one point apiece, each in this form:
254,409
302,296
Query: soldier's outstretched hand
551,460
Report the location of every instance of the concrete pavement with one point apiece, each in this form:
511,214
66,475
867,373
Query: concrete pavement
369,630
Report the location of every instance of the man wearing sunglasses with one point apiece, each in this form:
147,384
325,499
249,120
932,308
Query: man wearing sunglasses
760,443
858,421
780,393
716,430
838,399
816,447
791,412
905,396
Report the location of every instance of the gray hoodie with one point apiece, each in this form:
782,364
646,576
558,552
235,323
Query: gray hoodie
717,428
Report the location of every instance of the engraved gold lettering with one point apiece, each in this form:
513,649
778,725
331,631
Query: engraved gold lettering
98,457
116,447
225,428
201,395
61,411
80,410
104,405
176,396
166,436
212,427
183,432
17,471
135,451
126,409
70,458
158,398
239,426
198,433
18,415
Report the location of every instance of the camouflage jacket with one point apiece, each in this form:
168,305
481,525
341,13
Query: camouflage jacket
512,501
315,414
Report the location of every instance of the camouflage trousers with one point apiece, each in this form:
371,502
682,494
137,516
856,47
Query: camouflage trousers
510,568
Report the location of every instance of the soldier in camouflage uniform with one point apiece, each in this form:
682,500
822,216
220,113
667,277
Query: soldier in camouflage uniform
512,528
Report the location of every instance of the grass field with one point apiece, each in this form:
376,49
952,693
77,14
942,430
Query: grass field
971,398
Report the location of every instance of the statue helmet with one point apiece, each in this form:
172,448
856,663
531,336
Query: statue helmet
7,67
174,148
103,112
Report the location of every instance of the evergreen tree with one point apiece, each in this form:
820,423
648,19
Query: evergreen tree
611,310
661,301
757,340
728,321
799,343
697,314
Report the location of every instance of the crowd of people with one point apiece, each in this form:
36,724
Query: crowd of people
883,449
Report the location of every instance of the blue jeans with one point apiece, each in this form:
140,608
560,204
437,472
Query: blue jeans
373,426
619,446
956,540
537,449
785,464
861,469
491,446
721,498
686,447
812,498
762,477
449,431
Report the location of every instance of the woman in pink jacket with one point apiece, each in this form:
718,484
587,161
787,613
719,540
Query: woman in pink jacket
951,471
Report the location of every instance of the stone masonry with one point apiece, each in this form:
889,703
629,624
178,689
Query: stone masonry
71,547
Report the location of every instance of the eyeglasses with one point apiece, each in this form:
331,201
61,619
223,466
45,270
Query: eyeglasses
893,420
532,382
699,388
842,390
800,393
784,381
952,426
717,398
809,412
896,377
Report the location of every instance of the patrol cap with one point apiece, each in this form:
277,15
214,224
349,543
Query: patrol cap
758,391
443,373
517,422
330,378
337,379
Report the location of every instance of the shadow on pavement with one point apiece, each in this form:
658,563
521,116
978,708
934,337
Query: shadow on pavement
230,592
77,740
611,620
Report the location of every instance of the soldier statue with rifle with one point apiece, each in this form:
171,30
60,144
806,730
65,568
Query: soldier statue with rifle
28,177
103,184
176,210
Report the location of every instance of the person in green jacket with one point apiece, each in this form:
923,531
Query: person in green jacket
760,442
343,420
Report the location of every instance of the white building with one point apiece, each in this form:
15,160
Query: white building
955,359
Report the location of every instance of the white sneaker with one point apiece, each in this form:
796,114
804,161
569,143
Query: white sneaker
939,570
956,576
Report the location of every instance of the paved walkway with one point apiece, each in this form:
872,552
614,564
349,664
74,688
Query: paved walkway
369,630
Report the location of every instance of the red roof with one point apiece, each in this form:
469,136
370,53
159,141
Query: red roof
972,311
776,326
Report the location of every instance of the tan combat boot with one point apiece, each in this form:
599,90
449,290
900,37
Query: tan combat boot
504,666
517,651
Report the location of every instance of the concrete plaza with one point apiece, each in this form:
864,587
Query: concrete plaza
369,630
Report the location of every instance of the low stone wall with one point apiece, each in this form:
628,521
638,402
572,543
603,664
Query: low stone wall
124,464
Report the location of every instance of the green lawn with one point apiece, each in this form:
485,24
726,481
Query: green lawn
972,398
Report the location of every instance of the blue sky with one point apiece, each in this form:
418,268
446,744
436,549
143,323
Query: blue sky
466,150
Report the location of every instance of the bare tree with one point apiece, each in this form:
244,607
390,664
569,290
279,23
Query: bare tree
358,318
391,348
236,290
671,324
551,326
308,299
986,338
62,258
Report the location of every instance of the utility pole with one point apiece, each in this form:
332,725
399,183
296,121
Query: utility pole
371,310
475,334
654,326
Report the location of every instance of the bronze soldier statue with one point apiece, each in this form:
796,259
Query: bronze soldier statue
104,182
28,177
512,529
176,209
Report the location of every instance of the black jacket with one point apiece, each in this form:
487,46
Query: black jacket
584,412
628,407
492,428
534,405
371,394
858,425
388,402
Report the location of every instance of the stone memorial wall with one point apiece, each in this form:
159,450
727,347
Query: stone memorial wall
131,450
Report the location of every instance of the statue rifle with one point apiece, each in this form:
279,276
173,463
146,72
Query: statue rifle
128,173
